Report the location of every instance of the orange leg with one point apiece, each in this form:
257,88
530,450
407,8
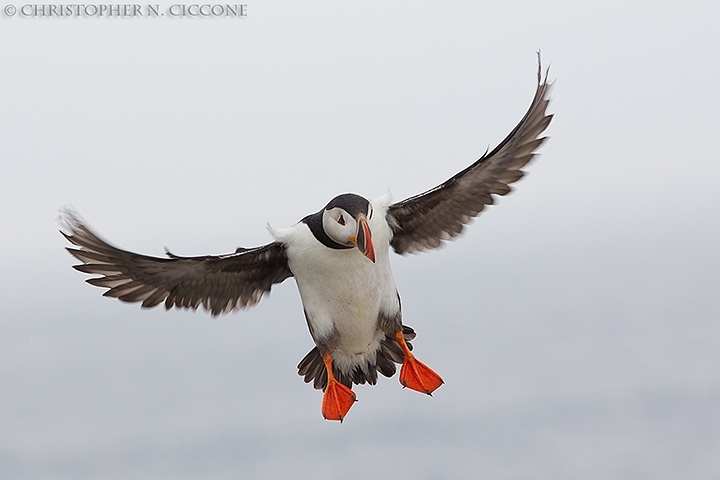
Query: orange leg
414,374
338,398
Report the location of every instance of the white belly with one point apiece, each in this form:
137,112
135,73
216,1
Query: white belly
342,294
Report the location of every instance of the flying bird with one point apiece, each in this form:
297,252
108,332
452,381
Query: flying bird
339,258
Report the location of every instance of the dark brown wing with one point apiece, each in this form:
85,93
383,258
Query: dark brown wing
218,283
422,222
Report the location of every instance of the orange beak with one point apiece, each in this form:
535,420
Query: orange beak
363,239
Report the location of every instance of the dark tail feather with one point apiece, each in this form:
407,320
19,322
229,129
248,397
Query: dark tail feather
312,367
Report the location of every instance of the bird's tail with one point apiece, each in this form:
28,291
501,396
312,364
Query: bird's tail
312,367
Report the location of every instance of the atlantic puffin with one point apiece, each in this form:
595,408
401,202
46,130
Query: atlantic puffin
339,258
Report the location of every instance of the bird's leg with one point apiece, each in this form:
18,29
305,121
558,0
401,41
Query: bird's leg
414,374
338,398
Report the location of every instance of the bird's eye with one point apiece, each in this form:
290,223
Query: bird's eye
341,220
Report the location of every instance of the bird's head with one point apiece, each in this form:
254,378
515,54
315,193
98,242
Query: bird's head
345,220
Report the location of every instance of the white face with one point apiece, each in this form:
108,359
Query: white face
340,226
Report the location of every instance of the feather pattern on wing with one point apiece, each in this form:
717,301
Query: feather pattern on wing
424,221
218,283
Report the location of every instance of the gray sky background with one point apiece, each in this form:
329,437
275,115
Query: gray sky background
575,324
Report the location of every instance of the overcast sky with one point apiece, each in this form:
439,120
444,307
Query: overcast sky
576,324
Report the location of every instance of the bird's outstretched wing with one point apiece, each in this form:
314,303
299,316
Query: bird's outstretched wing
422,222
218,283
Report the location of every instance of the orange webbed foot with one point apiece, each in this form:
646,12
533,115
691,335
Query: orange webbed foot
337,401
417,376
414,374
338,398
